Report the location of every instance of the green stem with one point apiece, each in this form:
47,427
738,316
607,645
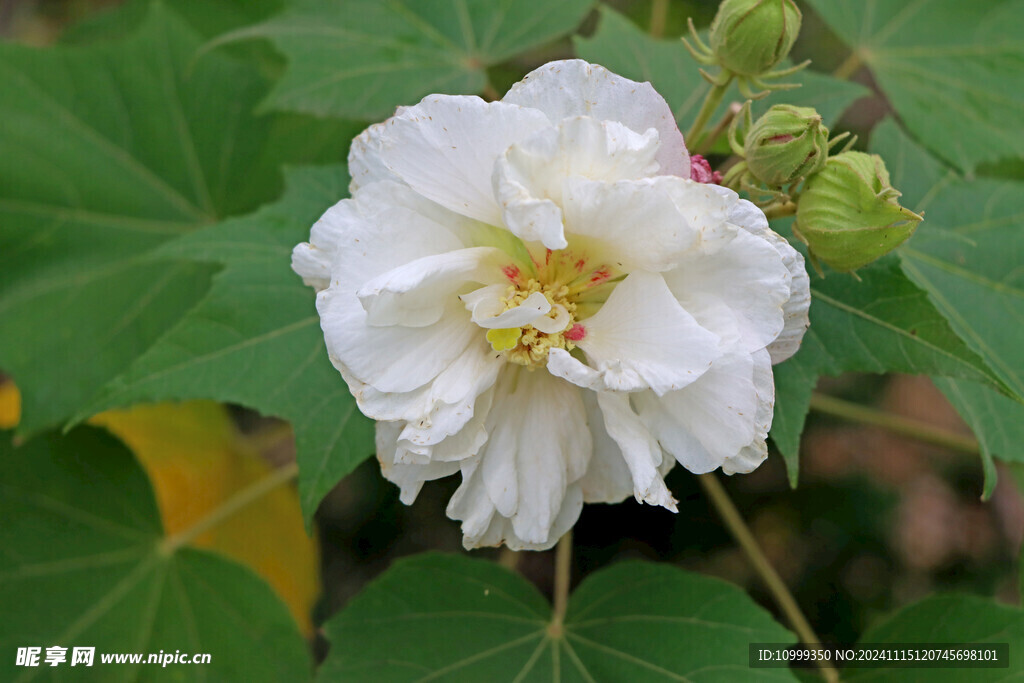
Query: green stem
776,586
659,16
780,210
230,507
904,426
563,577
720,127
711,102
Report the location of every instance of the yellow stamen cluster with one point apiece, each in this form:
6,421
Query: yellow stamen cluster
527,345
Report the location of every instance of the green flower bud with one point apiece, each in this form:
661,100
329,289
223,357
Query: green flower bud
786,144
749,37
848,215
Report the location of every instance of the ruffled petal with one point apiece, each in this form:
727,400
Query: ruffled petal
528,177
639,449
437,410
575,88
539,444
795,310
647,224
445,148
607,479
365,165
396,358
408,478
489,312
753,454
747,216
483,526
640,338
415,294
737,291
718,417
387,225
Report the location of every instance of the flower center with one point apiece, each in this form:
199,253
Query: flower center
572,284
530,344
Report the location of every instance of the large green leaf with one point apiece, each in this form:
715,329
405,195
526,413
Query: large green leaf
880,323
953,70
361,58
255,339
208,18
450,618
949,619
84,563
107,152
968,256
623,47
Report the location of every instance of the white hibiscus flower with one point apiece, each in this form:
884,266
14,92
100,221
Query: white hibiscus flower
532,292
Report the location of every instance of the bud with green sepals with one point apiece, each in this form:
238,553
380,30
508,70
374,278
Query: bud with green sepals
848,213
748,39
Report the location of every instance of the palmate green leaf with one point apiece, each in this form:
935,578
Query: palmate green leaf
451,618
967,255
107,152
84,562
255,339
953,70
361,58
949,619
208,18
882,323
620,45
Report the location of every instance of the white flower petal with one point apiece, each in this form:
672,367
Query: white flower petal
575,88
483,526
409,478
607,480
644,224
445,148
489,312
795,310
365,165
313,265
549,325
747,216
714,419
538,445
386,226
441,408
639,449
450,440
744,213
528,177
392,359
737,291
642,338
415,294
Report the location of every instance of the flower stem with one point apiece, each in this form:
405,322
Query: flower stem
711,102
563,576
230,507
659,15
904,426
780,210
745,538
508,558
720,127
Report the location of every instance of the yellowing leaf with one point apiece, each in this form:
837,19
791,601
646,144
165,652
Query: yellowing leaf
10,404
196,460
